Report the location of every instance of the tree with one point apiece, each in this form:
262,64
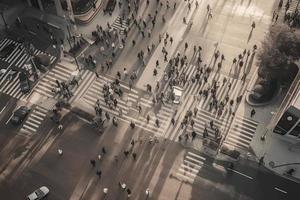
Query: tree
276,60
280,48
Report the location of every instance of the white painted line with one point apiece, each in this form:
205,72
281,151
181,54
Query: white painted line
188,168
29,128
187,172
189,158
240,173
185,177
4,107
196,155
280,190
9,118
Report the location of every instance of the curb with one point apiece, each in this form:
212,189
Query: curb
249,89
85,22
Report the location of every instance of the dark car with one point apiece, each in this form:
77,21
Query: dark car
6,51
24,83
19,115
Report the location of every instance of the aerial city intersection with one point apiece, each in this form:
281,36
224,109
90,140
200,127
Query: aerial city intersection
149,99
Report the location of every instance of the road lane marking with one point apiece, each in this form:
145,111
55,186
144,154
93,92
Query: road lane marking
4,107
240,173
9,118
280,190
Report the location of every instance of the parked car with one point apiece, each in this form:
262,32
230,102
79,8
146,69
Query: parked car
6,51
177,91
19,115
24,83
38,194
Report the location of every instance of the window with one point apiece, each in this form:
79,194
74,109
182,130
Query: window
286,122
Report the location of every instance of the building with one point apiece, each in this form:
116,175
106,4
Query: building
49,6
288,124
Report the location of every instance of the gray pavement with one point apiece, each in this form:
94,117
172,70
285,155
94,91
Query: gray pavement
170,169
156,167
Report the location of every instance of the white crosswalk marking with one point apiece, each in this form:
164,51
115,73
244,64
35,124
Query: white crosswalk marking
63,73
47,83
33,121
190,167
241,132
18,58
164,116
201,120
95,92
120,24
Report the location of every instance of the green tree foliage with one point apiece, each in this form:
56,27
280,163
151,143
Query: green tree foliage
280,47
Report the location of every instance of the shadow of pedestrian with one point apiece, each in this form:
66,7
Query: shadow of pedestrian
250,35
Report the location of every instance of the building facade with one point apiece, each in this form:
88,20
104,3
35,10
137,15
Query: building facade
289,123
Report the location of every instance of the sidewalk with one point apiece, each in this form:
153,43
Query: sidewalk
275,149
100,19
89,16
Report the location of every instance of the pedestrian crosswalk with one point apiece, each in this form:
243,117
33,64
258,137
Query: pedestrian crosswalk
63,73
95,92
120,24
228,87
164,116
202,120
33,121
127,103
241,132
17,60
190,167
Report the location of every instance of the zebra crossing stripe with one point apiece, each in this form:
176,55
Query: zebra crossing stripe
92,101
25,126
152,129
191,165
88,78
34,120
240,135
104,79
3,43
195,168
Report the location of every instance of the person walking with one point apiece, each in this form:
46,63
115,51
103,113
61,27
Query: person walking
252,113
99,173
105,191
60,152
93,162
147,192
253,26
122,186
194,134
157,123
128,193
173,121
132,125
134,156
103,150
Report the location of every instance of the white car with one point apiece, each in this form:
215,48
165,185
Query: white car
38,194
177,91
